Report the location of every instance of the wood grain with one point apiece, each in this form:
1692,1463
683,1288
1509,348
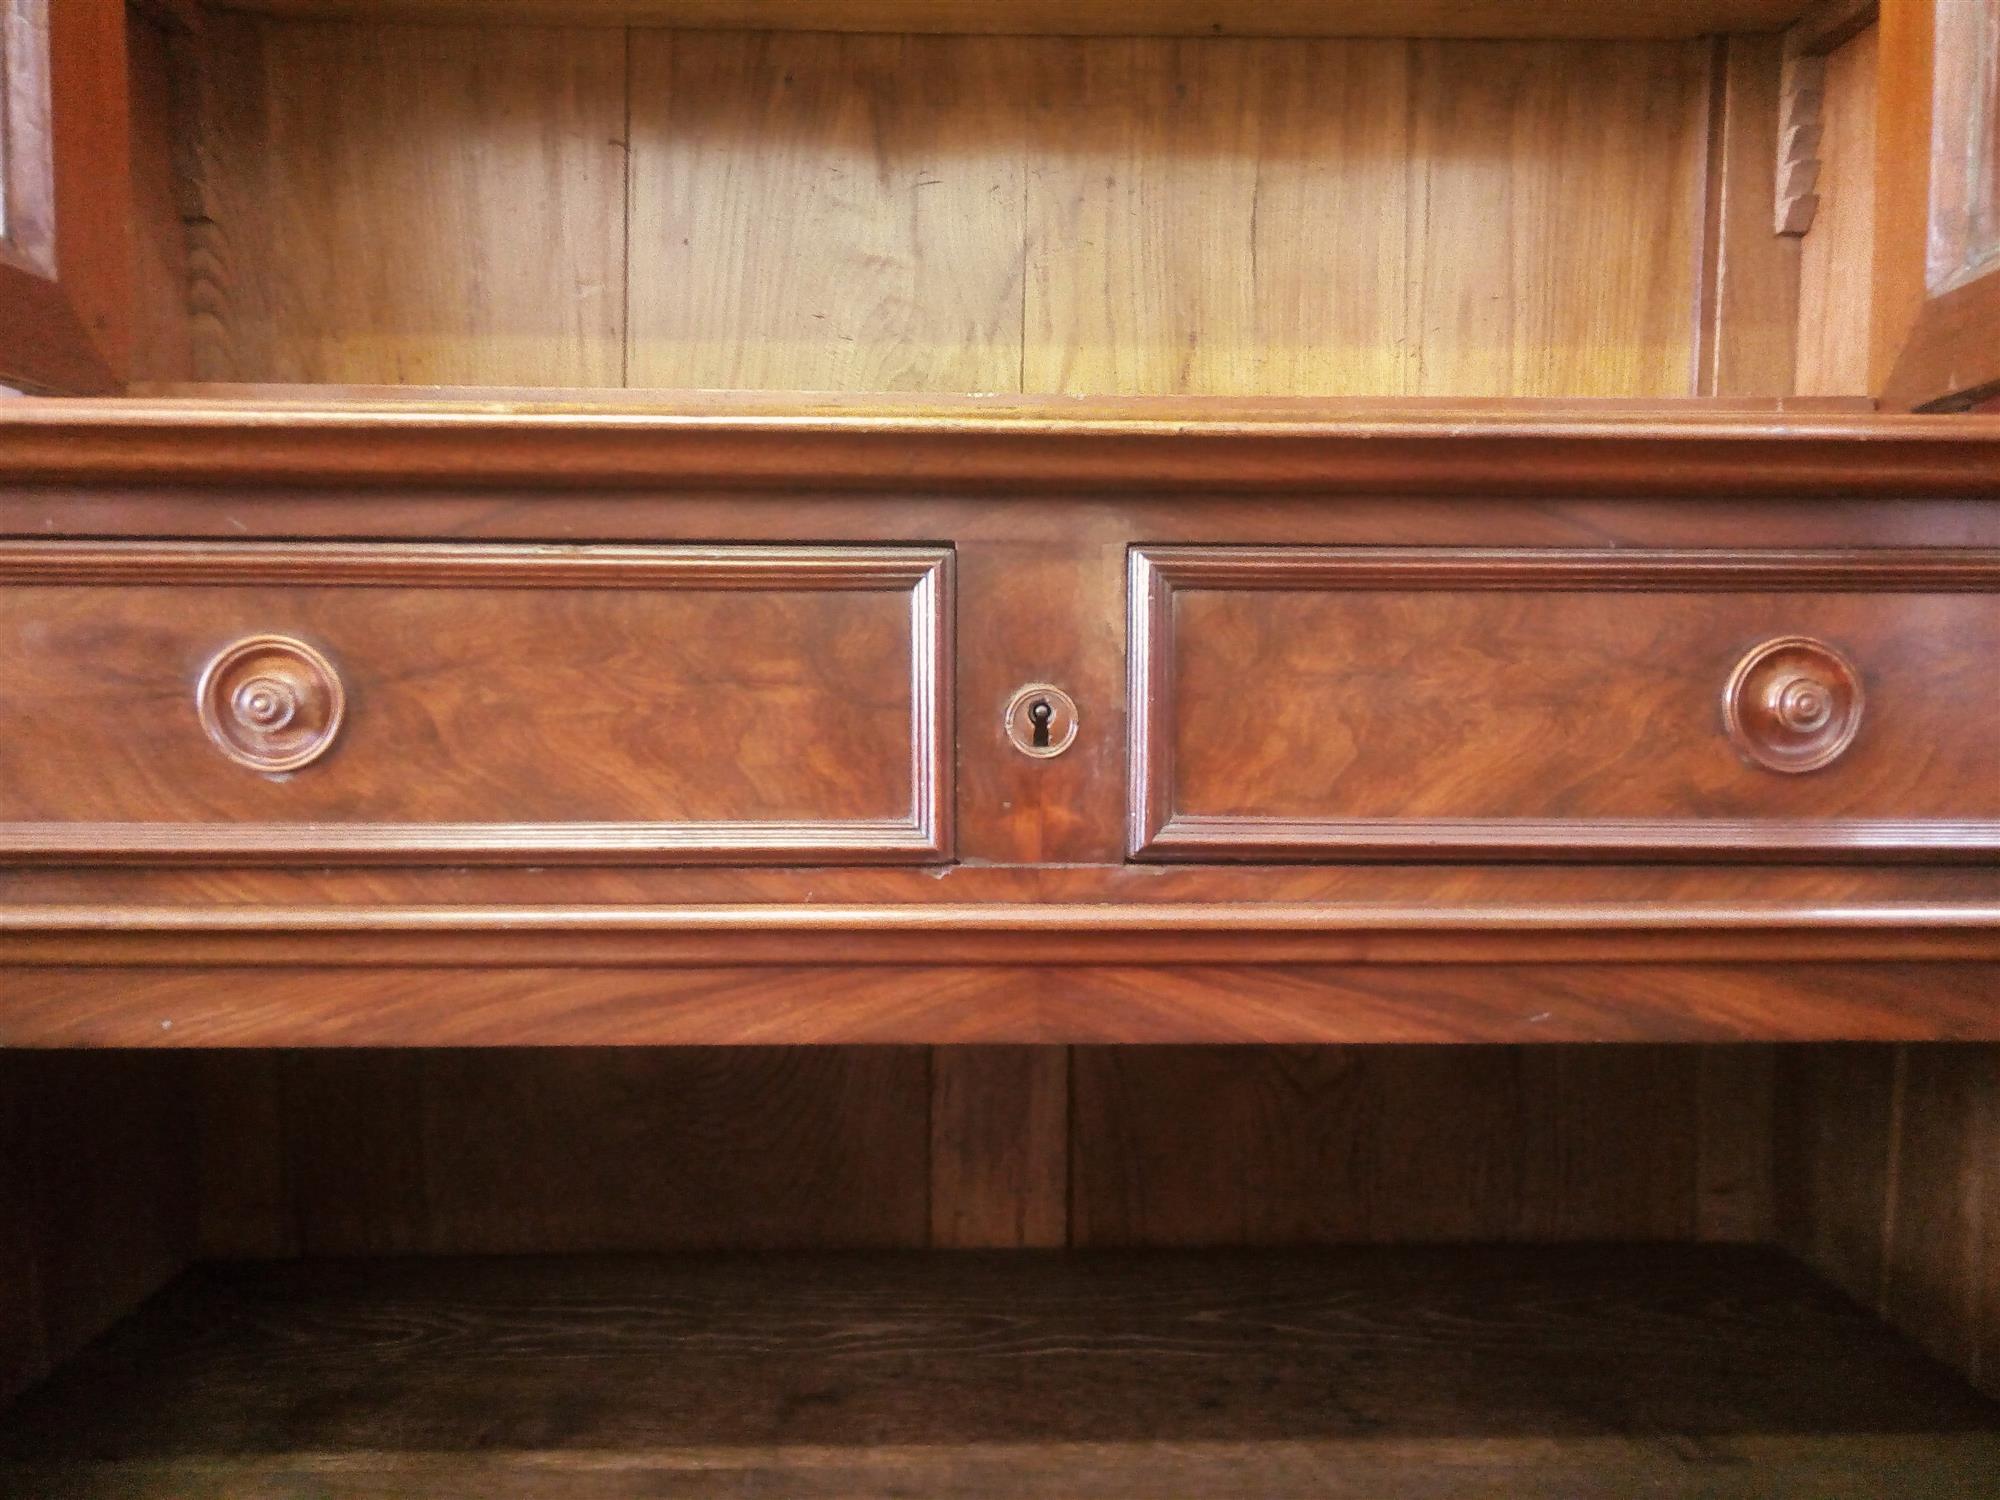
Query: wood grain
1541,18
96,1199
625,1150
1942,1255
1737,1132
25,1356
1887,1156
999,1147
926,213
1837,256
1627,1000
1837,1140
947,447
571,679
162,328
1370,691
538,1151
825,212
1554,218
243,1144
530,1151
1576,1372
1340,1145
1216,217
411,204
1748,292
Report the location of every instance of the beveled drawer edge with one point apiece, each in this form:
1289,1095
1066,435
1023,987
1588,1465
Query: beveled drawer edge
1599,569
1155,832
754,566
469,843
1213,837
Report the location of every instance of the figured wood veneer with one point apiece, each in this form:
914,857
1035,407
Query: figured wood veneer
1463,703
512,703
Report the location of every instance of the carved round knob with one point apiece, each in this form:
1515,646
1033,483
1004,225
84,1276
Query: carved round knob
271,703
1793,704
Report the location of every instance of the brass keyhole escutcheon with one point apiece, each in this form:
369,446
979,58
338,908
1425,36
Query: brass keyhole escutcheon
1041,720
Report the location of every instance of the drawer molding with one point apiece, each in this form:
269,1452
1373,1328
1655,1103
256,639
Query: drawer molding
922,836
1157,831
1199,836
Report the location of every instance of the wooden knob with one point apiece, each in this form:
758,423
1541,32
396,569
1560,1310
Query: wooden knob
1793,704
271,703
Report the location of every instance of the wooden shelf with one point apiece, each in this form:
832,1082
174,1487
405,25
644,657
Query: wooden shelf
1469,18
1577,1371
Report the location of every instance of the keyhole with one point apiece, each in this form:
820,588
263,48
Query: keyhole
1040,712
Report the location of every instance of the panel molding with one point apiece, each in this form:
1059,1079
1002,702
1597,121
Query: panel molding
1156,831
987,934
924,572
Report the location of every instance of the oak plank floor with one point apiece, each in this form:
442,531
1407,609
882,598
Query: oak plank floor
1578,1371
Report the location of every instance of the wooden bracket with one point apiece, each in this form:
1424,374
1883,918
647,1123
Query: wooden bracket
1826,26
1801,94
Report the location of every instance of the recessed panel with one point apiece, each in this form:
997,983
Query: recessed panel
1381,703
413,701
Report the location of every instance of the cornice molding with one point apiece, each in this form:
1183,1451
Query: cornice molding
1161,445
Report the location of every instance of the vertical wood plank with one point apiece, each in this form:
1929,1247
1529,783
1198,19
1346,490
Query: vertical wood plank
1837,255
243,1108
1940,1258
161,344
553,1150
96,1192
1749,307
1215,217
949,213
822,212
1735,1112
354,1145
999,1147
1985,1365
1261,1145
414,204
24,1336
1609,1143
1554,217
1837,1121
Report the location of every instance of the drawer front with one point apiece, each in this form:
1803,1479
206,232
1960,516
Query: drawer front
284,702
1376,703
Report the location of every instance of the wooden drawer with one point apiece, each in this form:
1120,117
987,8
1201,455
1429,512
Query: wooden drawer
270,702
1380,703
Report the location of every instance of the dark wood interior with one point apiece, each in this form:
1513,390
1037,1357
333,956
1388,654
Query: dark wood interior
1361,1372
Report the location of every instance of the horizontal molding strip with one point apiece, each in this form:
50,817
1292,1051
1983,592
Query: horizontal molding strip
1018,936
1023,917
1598,570
807,442
738,566
454,843
1214,837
